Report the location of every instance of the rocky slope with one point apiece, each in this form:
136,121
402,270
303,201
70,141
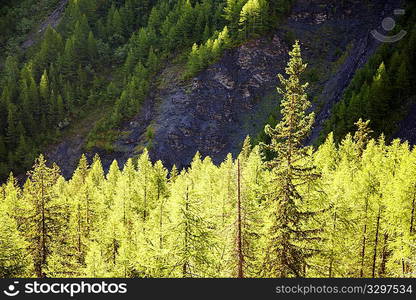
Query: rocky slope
213,112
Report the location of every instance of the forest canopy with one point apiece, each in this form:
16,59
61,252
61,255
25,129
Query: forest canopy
139,222
342,210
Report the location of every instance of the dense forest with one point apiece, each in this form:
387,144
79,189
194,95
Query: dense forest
65,76
344,207
343,210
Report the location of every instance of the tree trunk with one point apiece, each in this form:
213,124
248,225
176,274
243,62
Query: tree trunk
412,216
145,200
160,220
364,241
331,263
43,243
88,215
114,251
79,229
240,272
407,267
384,257
376,242
185,264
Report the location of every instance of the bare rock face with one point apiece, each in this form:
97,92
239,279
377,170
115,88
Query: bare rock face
225,81
206,115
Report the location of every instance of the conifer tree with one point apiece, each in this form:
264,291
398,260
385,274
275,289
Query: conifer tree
64,257
83,209
92,47
362,135
11,131
252,181
286,252
232,13
14,258
44,219
192,239
253,18
96,267
159,239
144,191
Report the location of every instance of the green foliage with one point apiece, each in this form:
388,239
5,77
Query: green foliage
381,90
44,214
244,20
14,257
139,223
204,55
253,18
289,240
344,210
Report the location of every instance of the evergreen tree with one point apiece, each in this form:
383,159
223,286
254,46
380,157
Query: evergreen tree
286,252
192,239
253,18
92,47
96,266
232,13
44,219
361,136
44,87
14,257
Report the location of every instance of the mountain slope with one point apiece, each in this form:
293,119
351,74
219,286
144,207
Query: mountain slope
383,90
213,112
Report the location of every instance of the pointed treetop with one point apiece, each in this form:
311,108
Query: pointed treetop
362,135
296,123
113,172
82,170
173,173
246,149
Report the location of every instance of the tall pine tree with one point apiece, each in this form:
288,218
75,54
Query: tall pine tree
286,253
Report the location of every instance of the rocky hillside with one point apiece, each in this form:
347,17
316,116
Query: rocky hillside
233,98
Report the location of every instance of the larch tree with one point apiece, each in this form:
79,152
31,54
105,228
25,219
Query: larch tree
81,208
192,237
124,212
44,219
65,259
232,13
15,261
225,196
253,18
95,264
362,135
248,211
144,184
159,238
